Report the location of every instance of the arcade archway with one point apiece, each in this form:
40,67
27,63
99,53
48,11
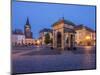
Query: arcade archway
59,39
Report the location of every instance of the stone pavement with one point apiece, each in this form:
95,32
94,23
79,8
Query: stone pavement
41,59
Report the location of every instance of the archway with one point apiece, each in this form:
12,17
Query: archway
59,41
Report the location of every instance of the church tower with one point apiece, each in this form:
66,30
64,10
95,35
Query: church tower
27,29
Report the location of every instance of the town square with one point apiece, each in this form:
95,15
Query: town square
58,45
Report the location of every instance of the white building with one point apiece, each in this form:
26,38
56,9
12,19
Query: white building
17,37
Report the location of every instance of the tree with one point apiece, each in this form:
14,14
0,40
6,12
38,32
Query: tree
47,38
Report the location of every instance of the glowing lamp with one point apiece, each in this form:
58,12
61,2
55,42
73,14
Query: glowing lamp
87,37
38,41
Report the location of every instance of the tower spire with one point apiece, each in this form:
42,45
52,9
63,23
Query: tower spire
27,22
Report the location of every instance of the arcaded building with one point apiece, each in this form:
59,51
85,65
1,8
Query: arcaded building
68,35
63,34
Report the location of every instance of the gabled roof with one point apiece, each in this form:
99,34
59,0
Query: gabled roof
63,21
81,26
46,30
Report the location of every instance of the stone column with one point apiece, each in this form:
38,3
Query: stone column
73,39
69,42
65,39
62,37
53,39
55,42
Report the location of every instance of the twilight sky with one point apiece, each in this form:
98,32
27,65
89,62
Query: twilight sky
43,15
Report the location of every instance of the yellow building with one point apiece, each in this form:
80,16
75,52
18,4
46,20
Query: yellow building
84,35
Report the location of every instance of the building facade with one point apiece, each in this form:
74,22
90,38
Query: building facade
84,35
17,37
63,34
